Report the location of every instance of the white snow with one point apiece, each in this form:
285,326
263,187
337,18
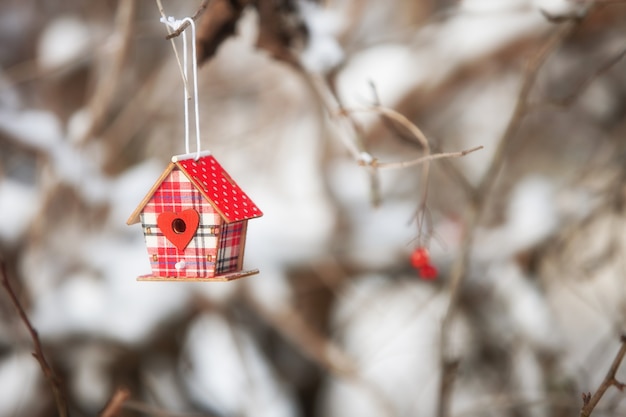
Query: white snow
530,218
18,206
62,42
491,6
481,114
563,7
532,211
20,379
438,51
225,370
9,96
392,68
42,131
392,331
526,307
529,380
34,128
90,382
78,124
128,189
322,52
298,216
468,37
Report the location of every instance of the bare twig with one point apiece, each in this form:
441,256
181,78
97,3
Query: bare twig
416,132
330,103
521,109
104,94
483,192
396,116
590,401
176,55
427,158
311,343
158,412
185,25
357,149
458,178
114,406
365,159
49,374
584,85
421,138
609,2
449,168
492,404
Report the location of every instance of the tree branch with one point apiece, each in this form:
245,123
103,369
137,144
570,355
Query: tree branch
427,158
185,25
114,406
49,374
590,401
584,85
365,159
417,134
104,94
483,192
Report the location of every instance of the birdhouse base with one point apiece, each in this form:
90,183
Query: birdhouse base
218,278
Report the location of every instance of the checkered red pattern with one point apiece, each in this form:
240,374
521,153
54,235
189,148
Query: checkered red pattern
175,194
230,247
220,188
216,247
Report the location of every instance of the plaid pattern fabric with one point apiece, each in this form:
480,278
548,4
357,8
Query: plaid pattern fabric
230,247
175,194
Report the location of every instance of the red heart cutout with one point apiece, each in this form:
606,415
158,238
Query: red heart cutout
179,228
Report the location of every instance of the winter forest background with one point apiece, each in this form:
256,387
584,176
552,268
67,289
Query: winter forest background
312,106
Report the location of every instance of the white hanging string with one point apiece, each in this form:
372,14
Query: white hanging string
175,24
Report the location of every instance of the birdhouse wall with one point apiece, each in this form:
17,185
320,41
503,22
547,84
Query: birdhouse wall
232,242
198,259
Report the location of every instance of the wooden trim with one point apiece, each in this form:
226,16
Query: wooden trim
218,278
242,244
218,241
192,155
134,218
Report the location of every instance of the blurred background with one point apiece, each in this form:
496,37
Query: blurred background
527,234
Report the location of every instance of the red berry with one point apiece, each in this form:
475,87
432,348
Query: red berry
428,272
420,257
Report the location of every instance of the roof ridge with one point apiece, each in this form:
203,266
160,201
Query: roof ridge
222,191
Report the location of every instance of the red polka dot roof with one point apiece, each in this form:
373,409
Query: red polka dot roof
213,181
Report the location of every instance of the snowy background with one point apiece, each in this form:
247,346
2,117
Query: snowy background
337,323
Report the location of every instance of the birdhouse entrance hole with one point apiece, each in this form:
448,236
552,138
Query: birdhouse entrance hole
179,226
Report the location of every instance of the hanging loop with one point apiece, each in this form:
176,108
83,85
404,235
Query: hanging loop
175,24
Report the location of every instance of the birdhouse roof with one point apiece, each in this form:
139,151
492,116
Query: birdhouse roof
213,182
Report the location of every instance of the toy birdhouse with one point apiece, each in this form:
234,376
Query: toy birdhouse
195,219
